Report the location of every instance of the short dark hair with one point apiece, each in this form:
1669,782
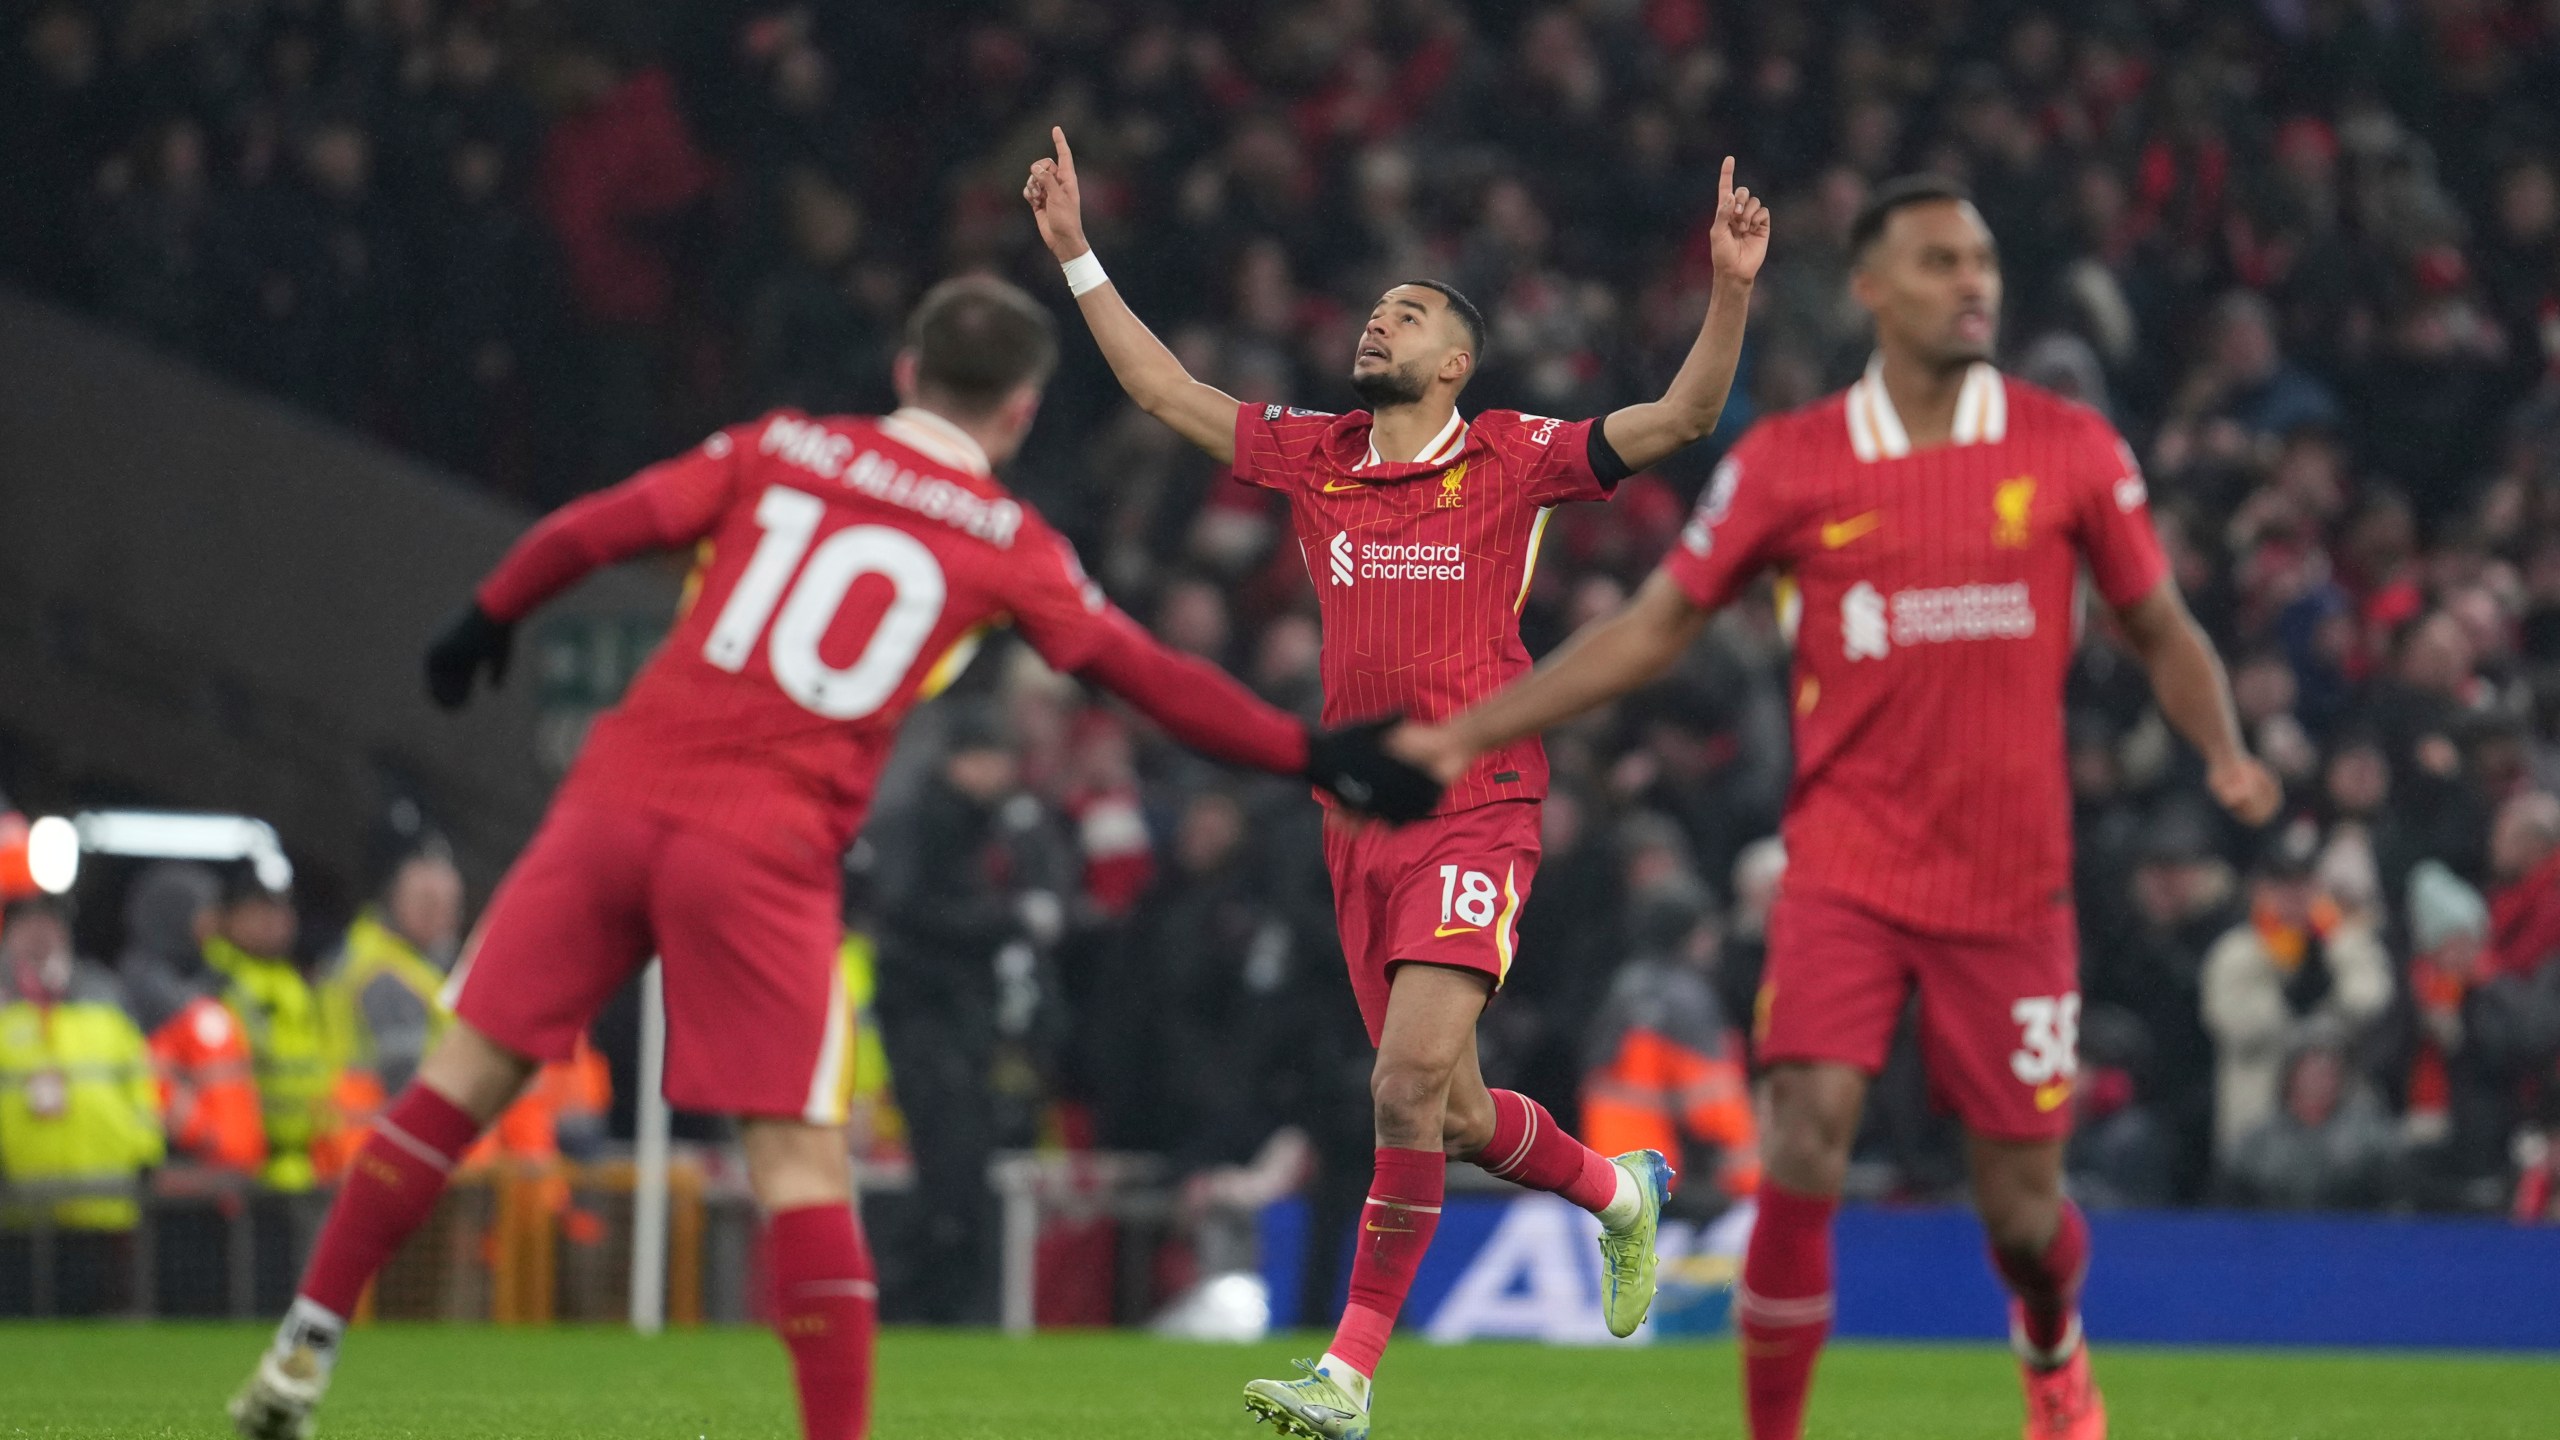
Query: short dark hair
1466,311
1898,194
978,339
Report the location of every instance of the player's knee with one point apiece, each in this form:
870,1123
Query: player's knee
1813,1120
791,1164
2019,1207
1409,1100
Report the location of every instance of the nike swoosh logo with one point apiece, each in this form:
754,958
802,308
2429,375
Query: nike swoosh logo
1445,931
1841,532
2050,1098
1332,489
1375,1228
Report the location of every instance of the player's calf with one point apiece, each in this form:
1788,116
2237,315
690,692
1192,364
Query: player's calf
391,1186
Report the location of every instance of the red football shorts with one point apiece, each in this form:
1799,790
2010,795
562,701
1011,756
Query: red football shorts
756,1018
1999,1016
1442,891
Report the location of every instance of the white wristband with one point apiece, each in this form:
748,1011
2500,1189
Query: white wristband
1084,273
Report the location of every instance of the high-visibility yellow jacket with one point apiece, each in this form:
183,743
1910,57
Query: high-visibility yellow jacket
78,1104
866,1080
378,964
298,1049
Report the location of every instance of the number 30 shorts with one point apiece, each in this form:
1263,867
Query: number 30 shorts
1999,1015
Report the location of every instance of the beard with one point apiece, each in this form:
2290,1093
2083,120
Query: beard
1389,388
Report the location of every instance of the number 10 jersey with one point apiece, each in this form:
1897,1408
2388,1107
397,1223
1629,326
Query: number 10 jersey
846,567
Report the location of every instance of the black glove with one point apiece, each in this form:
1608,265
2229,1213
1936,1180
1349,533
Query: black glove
1352,765
472,643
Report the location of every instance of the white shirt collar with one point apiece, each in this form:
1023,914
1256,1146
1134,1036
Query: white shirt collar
1451,439
923,430
1875,430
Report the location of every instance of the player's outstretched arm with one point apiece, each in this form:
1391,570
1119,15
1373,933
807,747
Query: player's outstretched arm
1646,435
664,506
1603,660
1207,709
2188,680
1202,414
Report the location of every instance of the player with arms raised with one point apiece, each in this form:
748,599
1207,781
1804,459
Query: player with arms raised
1420,530
849,567
1932,521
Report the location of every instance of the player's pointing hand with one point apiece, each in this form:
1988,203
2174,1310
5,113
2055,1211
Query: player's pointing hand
1739,239
1056,203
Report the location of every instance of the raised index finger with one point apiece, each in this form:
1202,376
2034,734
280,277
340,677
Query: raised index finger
1724,186
1066,155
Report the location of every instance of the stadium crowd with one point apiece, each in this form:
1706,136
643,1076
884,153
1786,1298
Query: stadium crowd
2306,254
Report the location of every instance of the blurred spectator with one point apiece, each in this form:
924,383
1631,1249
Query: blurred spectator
208,1087
820,330
1663,1066
2184,899
2300,962
170,911
389,973
968,887
2472,1044
618,170
1757,874
2524,851
2326,1145
77,1107
296,1049
2245,393
485,311
2119,1154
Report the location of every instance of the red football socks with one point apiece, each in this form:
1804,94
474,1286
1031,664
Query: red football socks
390,1187
1783,1309
826,1308
2047,1283
1395,1228
1529,1148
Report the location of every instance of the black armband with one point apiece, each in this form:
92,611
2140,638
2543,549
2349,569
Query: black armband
1606,466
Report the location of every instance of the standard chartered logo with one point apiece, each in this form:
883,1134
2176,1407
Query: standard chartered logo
1862,623
1872,624
1385,560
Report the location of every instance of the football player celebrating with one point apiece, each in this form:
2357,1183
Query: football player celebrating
849,567
1932,521
1420,528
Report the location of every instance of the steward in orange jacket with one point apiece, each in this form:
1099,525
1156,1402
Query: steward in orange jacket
1663,1069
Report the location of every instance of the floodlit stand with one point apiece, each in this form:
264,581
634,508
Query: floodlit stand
649,1178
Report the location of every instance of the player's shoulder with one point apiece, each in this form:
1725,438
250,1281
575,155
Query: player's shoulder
1285,438
2036,411
1813,427
1535,429
1297,423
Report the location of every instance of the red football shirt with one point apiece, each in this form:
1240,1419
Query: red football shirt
849,567
1933,596
1421,568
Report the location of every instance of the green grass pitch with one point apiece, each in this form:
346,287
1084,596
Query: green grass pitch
87,1382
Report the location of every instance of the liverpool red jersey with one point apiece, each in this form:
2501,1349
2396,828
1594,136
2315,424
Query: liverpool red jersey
848,567
1933,596
1421,568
